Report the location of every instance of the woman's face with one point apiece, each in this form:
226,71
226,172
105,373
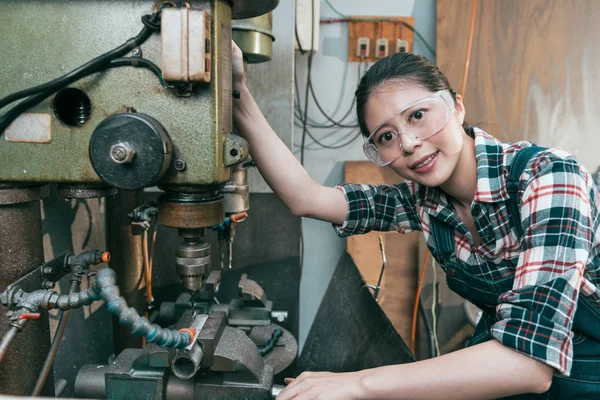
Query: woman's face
430,161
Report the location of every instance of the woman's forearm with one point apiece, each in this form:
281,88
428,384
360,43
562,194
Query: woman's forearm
485,371
280,168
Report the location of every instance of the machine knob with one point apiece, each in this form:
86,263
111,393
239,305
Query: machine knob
130,151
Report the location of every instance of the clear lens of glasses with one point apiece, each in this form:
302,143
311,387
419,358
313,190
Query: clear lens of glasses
419,121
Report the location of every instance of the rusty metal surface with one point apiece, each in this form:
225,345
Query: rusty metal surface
124,242
18,195
21,251
191,215
67,35
85,191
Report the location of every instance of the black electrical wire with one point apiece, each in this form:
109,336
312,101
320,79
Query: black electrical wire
298,39
38,93
81,71
336,123
320,142
314,124
335,145
310,58
10,336
51,356
323,145
416,32
313,95
32,101
140,62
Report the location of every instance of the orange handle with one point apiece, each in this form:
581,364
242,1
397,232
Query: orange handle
29,316
238,217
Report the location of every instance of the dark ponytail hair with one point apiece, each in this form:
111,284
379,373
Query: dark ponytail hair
404,67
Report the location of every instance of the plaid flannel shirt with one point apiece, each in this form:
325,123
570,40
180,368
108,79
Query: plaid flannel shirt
557,258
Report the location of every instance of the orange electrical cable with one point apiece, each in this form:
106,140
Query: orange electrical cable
147,263
469,43
413,334
147,271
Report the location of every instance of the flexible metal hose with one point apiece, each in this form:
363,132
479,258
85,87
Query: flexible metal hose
105,286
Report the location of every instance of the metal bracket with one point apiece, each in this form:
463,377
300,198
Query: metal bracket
383,259
235,150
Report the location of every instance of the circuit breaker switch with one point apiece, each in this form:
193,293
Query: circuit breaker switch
382,48
185,45
362,47
401,46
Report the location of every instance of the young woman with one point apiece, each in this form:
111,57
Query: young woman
533,266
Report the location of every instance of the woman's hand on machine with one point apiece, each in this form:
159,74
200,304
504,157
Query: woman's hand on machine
237,66
324,385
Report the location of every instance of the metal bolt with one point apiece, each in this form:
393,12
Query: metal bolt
179,165
279,316
47,270
49,285
136,52
122,153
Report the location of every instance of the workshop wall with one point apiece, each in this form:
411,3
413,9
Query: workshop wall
533,78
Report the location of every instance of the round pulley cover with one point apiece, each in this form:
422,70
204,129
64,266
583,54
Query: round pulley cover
130,151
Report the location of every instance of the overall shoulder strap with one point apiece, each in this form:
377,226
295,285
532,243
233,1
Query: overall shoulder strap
512,185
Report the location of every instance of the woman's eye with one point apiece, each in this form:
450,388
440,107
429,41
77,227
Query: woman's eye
417,115
385,137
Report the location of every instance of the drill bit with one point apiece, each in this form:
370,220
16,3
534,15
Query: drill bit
193,303
230,242
222,246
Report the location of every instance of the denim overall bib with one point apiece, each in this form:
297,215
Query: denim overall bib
584,381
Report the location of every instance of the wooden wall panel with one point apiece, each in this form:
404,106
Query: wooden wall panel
534,69
399,283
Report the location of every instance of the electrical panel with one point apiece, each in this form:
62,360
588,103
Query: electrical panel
386,35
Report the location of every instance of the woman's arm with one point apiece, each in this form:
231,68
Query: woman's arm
485,371
277,164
